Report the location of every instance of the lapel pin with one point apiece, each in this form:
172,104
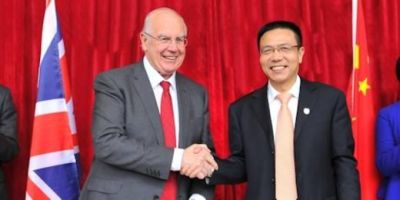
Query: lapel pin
306,111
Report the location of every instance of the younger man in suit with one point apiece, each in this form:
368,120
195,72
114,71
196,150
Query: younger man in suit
292,138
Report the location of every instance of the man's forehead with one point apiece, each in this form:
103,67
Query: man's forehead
279,35
166,29
168,26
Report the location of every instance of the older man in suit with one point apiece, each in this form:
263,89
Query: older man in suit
292,138
149,122
8,134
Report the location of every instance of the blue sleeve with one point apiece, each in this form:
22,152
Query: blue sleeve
388,149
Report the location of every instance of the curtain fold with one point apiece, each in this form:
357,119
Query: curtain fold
222,55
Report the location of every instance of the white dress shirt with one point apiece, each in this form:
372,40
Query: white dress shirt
155,80
275,104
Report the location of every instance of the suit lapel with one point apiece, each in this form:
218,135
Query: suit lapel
144,90
183,107
305,107
261,109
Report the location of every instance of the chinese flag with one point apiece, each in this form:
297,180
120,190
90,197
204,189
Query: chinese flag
360,97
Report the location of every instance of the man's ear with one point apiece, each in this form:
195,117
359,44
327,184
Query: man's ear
301,54
143,41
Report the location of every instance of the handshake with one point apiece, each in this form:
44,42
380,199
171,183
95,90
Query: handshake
197,162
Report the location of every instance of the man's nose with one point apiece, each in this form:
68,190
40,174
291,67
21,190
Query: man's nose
173,46
276,55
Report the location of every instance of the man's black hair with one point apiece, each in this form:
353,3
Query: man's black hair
280,25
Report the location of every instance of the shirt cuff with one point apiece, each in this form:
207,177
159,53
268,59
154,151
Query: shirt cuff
177,159
197,197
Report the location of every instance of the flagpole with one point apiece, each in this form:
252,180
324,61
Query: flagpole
354,33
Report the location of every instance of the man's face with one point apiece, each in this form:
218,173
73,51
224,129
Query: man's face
161,43
280,57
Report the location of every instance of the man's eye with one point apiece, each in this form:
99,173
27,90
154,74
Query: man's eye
284,49
165,39
267,51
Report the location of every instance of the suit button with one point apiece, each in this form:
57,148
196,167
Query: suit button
273,180
272,152
156,197
207,180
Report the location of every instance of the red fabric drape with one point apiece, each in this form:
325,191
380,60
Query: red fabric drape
222,54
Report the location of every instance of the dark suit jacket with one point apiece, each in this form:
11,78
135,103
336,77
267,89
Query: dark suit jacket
324,146
8,134
131,160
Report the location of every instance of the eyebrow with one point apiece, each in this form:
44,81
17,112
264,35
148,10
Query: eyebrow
163,35
283,44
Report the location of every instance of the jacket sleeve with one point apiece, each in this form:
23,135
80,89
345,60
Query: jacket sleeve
232,169
199,186
347,179
8,127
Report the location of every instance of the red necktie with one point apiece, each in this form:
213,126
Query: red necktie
167,121
284,147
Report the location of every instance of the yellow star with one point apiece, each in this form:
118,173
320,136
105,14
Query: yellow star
363,86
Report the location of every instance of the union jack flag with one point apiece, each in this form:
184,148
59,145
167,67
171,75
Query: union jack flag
53,168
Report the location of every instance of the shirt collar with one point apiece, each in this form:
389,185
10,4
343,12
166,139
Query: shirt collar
155,77
294,90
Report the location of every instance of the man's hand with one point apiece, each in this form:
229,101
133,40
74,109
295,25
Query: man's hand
198,162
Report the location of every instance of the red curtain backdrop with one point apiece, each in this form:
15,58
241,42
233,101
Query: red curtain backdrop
222,55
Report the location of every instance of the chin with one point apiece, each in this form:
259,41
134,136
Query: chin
278,77
279,80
